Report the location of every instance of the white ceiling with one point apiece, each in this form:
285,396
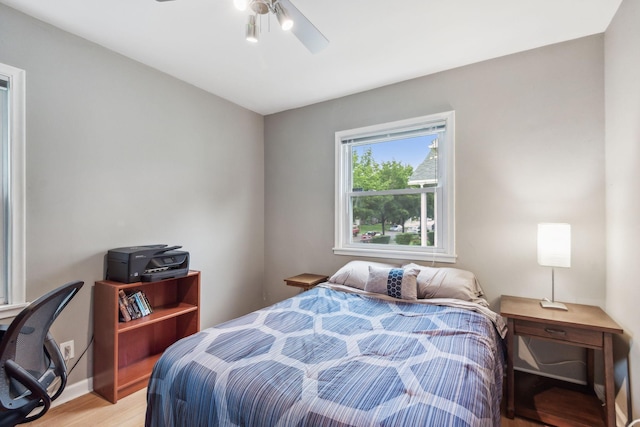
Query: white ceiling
372,42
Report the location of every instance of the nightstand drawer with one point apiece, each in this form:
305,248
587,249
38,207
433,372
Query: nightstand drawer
559,333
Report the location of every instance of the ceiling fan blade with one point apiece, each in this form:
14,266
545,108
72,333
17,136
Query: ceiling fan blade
163,0
304,30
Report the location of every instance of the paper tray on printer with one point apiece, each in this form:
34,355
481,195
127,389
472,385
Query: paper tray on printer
162,275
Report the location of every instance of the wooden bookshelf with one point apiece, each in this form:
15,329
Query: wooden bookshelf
125,352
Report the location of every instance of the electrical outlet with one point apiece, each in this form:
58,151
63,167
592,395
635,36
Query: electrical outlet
67,350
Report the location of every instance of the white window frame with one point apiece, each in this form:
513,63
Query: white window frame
444,251
15,227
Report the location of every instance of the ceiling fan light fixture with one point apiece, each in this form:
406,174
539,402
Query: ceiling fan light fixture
259,7
283,16
240,4
252,30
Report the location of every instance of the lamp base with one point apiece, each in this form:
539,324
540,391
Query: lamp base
553,305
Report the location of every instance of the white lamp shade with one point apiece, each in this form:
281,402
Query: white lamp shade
554,244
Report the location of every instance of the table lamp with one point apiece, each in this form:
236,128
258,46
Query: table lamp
554,250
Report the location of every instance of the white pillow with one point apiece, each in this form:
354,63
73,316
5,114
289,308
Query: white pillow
395,282
445,282
356,273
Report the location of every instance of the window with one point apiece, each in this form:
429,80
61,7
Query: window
12,135
395,190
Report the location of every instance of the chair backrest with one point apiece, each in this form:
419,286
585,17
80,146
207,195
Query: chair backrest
27,345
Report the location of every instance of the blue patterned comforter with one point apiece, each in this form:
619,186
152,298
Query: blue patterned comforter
330,358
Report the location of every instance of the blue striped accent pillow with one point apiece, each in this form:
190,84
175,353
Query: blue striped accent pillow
395,282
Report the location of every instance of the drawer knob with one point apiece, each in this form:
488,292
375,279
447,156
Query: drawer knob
558,332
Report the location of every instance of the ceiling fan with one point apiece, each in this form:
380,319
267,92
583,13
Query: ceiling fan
289,18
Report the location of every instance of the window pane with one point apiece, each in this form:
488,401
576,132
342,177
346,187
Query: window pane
12,177
393,219
395,164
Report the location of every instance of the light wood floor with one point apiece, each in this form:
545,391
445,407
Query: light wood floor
92,410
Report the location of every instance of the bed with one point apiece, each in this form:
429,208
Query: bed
344,353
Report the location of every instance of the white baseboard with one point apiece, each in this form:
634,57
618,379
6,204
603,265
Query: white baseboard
621,417
73,391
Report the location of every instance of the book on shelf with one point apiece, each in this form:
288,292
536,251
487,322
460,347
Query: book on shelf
125,316
141,305
146,302
126,303
133,305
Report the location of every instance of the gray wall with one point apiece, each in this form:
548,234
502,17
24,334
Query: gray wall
119,154
529,149
623,186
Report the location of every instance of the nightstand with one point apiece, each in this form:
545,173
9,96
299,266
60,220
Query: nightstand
305,281
553,401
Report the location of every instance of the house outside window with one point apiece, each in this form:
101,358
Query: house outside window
395,190
12,168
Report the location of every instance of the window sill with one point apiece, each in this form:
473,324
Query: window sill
11,310
396,254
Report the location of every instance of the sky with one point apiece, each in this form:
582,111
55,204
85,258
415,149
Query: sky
411,151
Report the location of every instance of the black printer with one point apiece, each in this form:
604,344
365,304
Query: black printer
146,263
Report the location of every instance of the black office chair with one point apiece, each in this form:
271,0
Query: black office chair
30,360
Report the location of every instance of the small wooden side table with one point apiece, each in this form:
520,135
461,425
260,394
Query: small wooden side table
305,281
551,401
